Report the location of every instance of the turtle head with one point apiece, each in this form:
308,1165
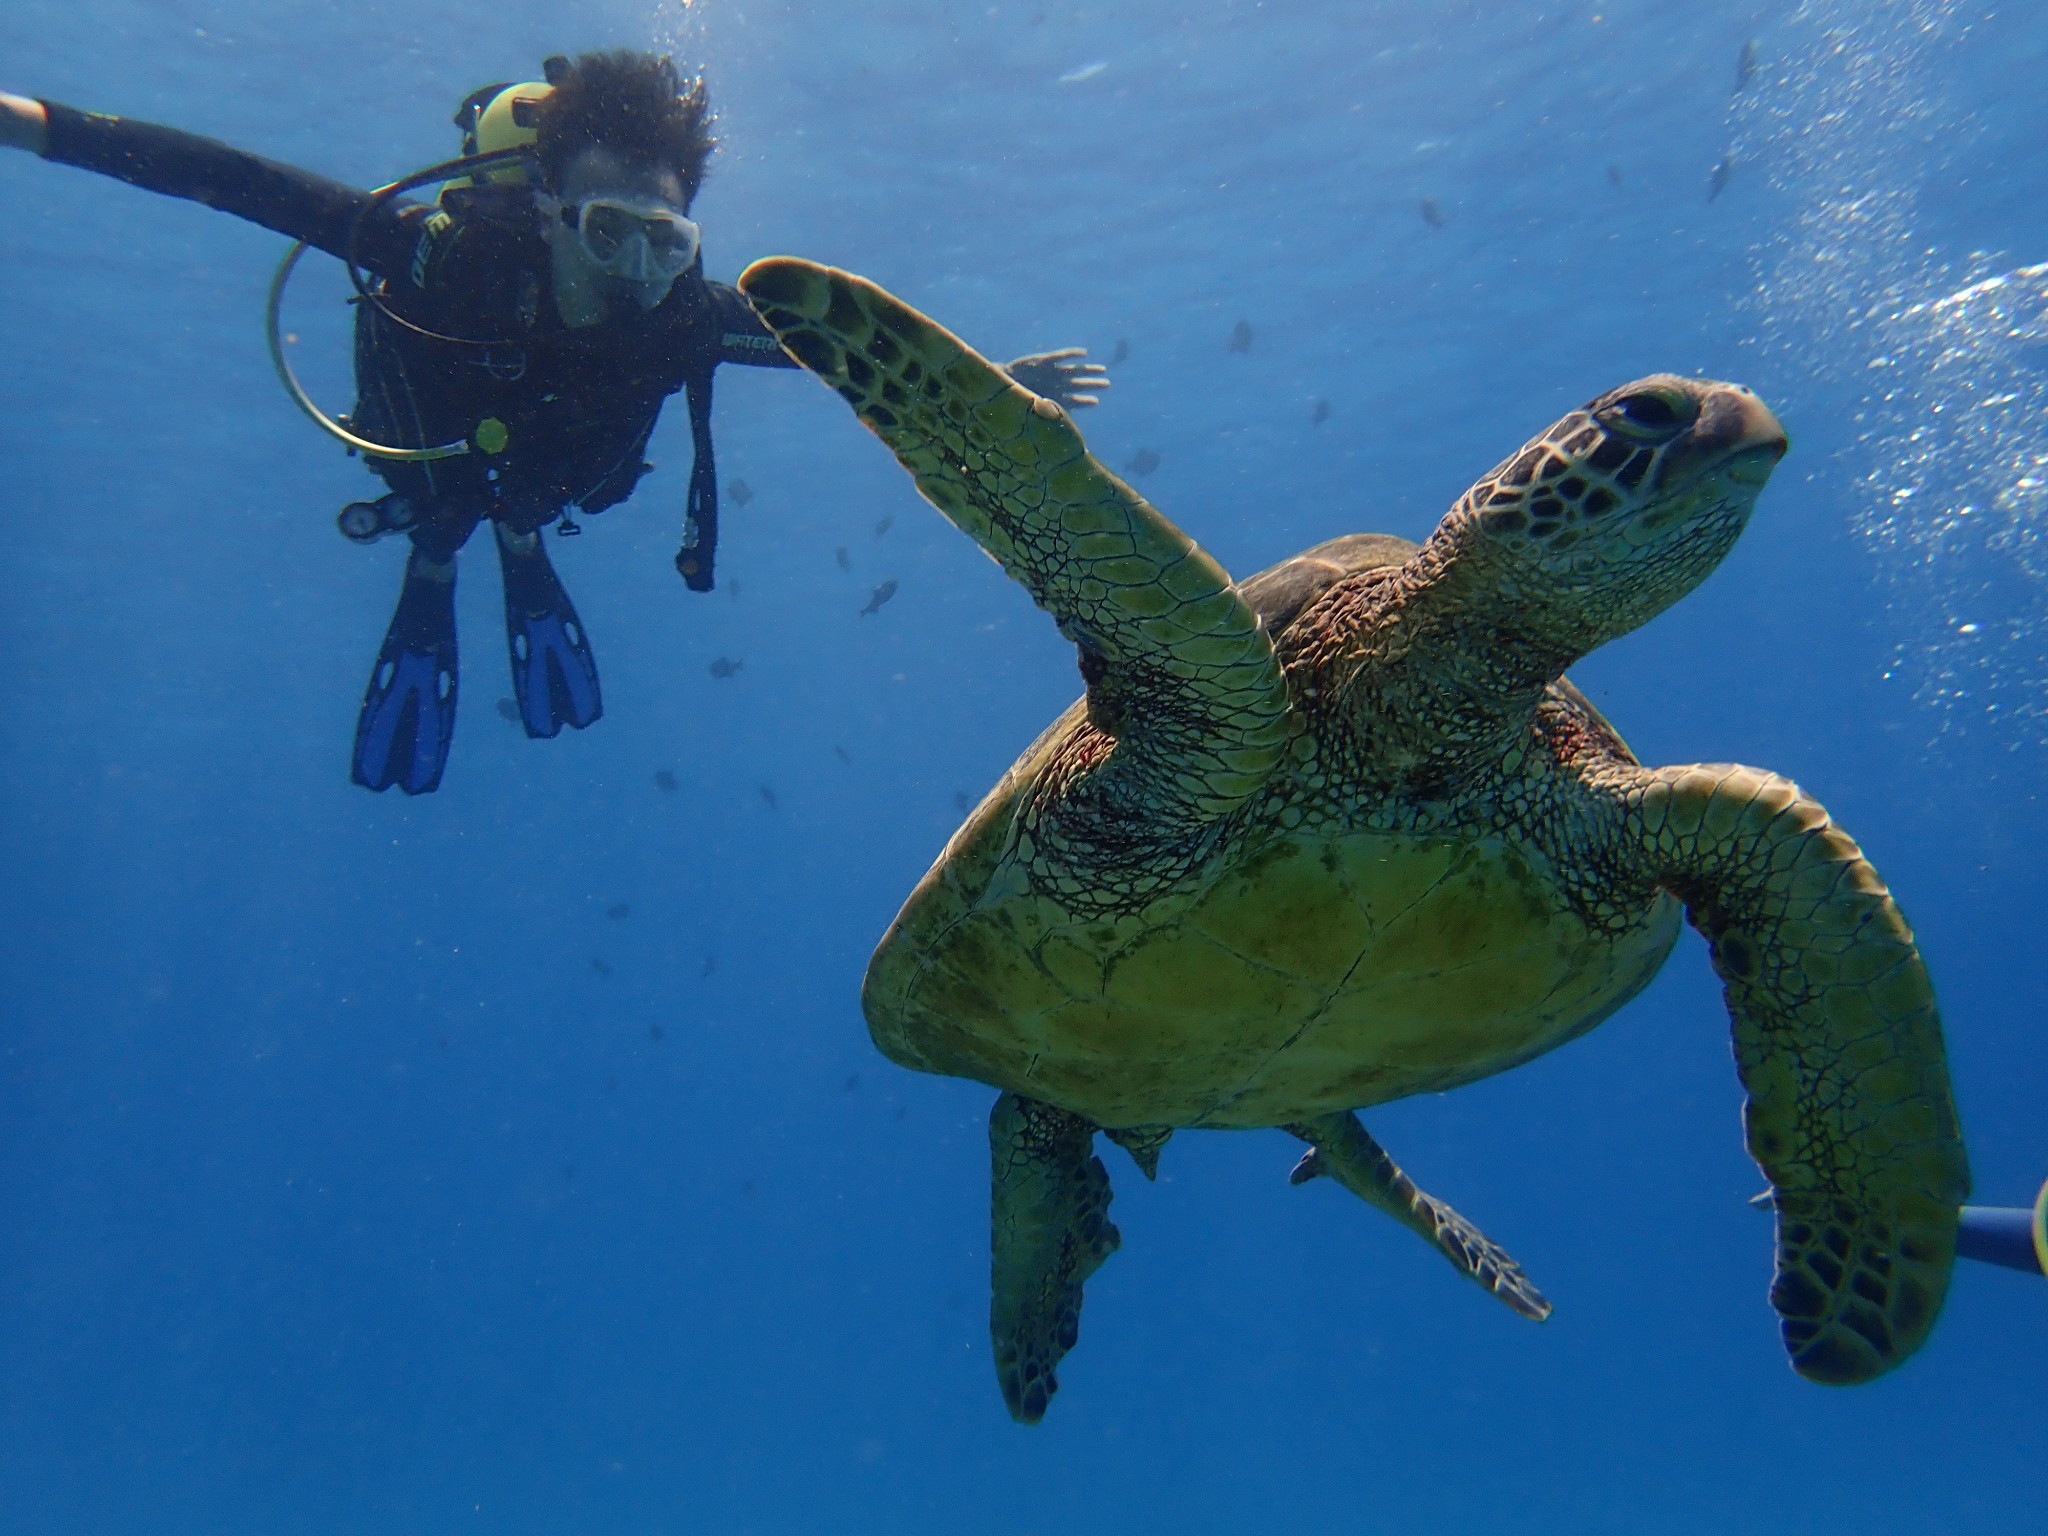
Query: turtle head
1621,508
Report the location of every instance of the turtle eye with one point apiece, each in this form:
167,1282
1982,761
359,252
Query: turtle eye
1649,414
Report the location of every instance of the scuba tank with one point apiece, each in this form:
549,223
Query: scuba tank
499,124
503,116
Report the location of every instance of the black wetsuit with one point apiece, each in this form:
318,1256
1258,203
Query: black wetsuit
575,406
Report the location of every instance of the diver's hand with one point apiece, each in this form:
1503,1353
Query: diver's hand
1062,376
23,124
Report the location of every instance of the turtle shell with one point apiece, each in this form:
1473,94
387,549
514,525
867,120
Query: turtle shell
1310,970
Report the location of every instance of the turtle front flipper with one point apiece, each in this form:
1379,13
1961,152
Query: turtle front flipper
1839,1046
1051,1231
1341,1148
1179,669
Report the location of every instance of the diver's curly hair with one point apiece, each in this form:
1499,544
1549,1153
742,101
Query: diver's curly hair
636,105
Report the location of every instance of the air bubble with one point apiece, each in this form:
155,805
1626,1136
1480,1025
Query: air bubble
1942,363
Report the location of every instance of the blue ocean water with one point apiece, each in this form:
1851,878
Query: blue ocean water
514,1160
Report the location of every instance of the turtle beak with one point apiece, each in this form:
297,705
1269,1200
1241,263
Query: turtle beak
1736,436
1754,466
1753,426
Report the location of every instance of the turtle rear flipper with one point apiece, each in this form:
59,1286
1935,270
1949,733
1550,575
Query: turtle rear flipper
1050,1232
1179,669
1340,1148
1839,1046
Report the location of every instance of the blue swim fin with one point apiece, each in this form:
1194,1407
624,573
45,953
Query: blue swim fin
554,674
408,716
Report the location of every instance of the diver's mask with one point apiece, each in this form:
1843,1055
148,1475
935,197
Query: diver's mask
644,244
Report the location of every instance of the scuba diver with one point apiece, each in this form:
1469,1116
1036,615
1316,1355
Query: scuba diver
515,341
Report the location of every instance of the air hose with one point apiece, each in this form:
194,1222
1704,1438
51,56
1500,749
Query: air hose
444,171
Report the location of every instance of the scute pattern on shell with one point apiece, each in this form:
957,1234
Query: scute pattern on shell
1376,846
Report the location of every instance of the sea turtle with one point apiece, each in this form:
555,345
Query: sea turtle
1343,833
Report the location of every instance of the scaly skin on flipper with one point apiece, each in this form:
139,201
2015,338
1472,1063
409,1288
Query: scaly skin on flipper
1158,919
1838,1043
1340,1148
1180,671
1050,1231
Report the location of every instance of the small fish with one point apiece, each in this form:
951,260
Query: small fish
1241,336
882,595
619,911
1143,462
1123,350
1319,413
767,794
1717,179
599,966
852,1082
507,710
1745,66
710,965
1614,175
840,753
664,781
740,492
961,803
726,666
655,1031
732,589
1432,215
884,526
1085,72
845,560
